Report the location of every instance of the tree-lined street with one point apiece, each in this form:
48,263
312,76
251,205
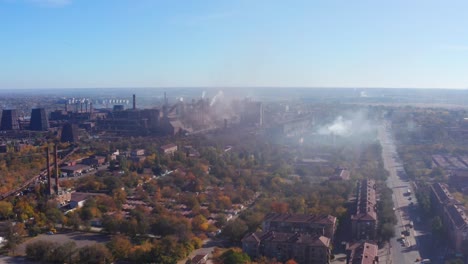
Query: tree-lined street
412,240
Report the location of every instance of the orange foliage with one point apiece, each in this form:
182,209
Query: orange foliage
279,207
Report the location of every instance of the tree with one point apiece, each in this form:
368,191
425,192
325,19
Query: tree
120,196
235,230
387,231
53,214
437,227
74,220
200,223
96,253
6,209
279,207
40,250
120,246
63,253
234,256
15,234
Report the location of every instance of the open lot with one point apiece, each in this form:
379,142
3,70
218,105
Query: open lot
80,238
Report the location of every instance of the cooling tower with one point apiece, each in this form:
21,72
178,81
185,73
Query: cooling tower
39,121
9,120
69,133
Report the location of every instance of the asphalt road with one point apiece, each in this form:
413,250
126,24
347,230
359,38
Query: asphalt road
416,245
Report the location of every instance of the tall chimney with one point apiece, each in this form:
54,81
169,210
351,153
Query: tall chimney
56,169
49,185
134,102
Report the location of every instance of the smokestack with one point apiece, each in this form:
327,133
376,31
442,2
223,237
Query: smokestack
56,170
134,102
49,185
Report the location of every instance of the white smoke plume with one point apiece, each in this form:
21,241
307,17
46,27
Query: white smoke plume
350,124
218,96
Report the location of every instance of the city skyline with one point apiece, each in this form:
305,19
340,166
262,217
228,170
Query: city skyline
83,44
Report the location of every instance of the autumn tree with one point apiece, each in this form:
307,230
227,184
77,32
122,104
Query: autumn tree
95,254
120,246
199,223
6,209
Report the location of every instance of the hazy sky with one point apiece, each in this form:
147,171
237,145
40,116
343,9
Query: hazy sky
154,43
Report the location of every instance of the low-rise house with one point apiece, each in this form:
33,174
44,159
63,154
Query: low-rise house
168,149
79,198
190,152
94,160
362,253
137,152
75,170
199,259
137,159
341,174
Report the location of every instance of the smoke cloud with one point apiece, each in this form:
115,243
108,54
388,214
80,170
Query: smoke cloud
218,96
348,125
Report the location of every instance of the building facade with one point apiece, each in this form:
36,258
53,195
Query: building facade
364,220
452,214
303,248
323,225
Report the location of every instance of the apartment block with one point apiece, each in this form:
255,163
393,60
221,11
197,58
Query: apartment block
364,220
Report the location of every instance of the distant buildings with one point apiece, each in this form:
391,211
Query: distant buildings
304,238
252,113
449,162
292,128
364,220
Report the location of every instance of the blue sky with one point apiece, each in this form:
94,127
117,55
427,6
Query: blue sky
223,43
